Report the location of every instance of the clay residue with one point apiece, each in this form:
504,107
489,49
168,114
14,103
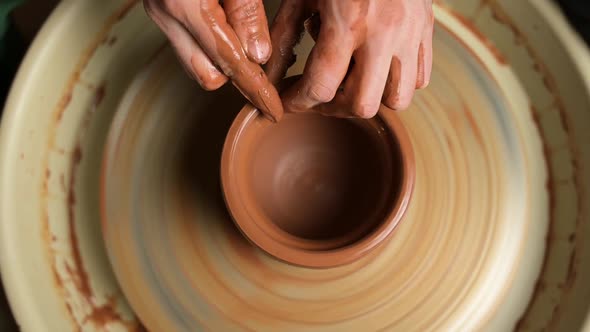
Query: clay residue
520,39
477,32
393,84
45,188
500,16
549,184
63,104
420,75
100,315
48,239
226,51
112,41
78,273
473,124
104,314
571,238
99,95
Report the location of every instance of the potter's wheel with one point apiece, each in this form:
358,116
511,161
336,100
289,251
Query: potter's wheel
465,256
477,137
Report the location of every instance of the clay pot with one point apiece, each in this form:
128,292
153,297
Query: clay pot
317,191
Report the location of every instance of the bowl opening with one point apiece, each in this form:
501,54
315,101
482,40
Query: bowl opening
324,179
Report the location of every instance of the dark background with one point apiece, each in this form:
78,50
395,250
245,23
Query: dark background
28,18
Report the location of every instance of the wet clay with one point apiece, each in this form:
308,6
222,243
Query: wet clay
420,75
313,190
247,76
320,178
393,84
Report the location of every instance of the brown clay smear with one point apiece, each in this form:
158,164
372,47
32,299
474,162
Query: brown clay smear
477,32
225,49
100,315
503,18
394,81
420,75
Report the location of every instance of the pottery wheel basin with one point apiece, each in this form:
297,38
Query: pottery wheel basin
112,215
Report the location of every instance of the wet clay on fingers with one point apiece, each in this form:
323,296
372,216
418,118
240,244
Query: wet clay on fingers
246,75
216,43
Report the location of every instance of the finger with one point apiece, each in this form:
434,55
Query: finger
364,86
206,21
425,56
248,19
312,26
324,71
393,85
194,60
401,82
285,33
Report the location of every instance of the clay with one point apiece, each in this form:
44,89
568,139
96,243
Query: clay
393,85
478,33
246,75
112,40
420,76
313,190
76,273
206,38
320,178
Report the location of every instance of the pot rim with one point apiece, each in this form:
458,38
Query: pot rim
282,245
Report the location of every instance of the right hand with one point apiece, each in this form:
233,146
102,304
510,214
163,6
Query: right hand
367,53
218,43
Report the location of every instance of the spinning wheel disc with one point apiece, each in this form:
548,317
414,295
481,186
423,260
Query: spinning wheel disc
465,256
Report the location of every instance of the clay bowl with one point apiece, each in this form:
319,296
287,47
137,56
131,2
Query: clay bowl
316,191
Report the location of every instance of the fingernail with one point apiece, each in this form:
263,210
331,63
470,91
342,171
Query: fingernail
271,105
259,50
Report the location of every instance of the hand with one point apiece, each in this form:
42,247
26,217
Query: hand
217,42
366,52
